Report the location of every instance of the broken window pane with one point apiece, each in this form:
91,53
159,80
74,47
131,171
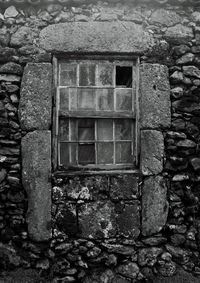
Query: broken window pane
123,129
124,99
87,74
123,152
85,129
86,153
105,153
64,99
105,74
86,98
105,129
105,99
68,74
124,76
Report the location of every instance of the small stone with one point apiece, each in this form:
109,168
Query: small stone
195,162
11,12
181,49
95,252
3,174
185,59
166,268
179,255
177,76
148,256
10,78
43,264
13,181
176,135
179,34
129,270
186,144
177,92
177,239
191,71
155,241
14,98
64,247
119,249
11,68
180,177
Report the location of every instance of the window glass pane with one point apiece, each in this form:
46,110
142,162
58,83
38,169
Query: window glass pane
124,99
105,99
105,153
105,74
64,99
123,129
64,129
86,153
87,74
64,154
68,74
73,147
124,76
123,152
85,129
73,130
73,99
86,98
104,129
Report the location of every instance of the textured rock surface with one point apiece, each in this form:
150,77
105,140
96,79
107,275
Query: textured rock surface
152,152
154,96
96,37
179,34
36,158
154,205
36,97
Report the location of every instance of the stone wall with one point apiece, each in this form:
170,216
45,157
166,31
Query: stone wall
105,227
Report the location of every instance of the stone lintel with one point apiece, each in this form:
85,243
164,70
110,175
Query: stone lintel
36,172
35,106
152,152
114,37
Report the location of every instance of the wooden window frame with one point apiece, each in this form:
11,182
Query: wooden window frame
95,168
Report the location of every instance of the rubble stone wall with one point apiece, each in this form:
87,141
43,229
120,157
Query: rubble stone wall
103,227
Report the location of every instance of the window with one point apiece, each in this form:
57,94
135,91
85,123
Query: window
95,114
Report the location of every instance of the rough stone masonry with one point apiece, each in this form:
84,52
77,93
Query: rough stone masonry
117,228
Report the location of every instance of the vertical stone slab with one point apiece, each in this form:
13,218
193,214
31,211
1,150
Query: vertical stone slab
154,96
152,152
36,169
36,97
154,205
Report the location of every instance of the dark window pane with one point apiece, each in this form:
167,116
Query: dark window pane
73,130
123,76
86,153
68,154
105,99
64,129
64,99
105,74
64,154
86,98
68,74
87,74
105,153
123,152
123,129
124,99
104,129
86,129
